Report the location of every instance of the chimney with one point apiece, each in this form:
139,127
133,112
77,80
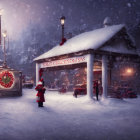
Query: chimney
107,22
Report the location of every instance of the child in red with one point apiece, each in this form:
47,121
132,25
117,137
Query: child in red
40,94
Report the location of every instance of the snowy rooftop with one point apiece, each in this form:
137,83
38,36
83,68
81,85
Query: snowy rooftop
85,41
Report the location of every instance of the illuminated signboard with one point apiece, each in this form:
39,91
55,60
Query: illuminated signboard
6,79
67,61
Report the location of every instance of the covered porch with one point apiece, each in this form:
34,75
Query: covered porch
106,49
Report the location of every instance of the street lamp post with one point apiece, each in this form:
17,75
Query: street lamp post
4,36
0,24
0,28
62,19
1,11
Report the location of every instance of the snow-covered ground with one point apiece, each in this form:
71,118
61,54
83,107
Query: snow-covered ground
67,118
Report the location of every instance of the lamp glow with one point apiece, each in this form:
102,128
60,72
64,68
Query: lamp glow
1,11
62,19
4,34
129,71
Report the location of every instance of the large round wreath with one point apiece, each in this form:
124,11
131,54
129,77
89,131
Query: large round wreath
6,79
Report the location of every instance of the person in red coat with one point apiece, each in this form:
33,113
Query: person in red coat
40,94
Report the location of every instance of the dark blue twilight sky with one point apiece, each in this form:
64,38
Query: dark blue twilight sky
88,14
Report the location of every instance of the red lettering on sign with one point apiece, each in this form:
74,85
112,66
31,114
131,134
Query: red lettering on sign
64,62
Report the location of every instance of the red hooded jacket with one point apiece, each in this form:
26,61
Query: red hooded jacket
40,93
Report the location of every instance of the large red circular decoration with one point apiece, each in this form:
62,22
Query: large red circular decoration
6,79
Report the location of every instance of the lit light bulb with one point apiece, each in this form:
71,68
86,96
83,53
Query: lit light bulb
4,33
129,70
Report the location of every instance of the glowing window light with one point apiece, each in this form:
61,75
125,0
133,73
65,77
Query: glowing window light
129,71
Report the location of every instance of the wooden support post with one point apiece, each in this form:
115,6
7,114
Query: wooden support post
90,59
104,75
37,72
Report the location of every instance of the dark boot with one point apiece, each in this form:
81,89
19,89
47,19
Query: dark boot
97,97
41,104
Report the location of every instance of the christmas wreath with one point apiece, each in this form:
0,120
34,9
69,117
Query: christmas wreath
6,79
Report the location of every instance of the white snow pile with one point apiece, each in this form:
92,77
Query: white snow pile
64,117
85,41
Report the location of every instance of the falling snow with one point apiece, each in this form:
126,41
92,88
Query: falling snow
33,28
129,4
